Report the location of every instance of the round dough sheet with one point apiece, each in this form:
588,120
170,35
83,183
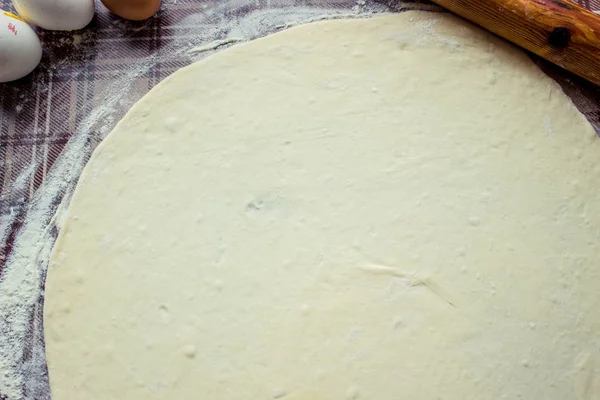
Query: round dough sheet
401,207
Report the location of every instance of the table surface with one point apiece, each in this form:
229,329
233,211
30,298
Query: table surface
51,121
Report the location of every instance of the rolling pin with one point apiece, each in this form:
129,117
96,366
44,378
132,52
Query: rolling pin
559,31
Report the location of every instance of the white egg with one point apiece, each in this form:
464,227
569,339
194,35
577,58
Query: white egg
20,48
58,15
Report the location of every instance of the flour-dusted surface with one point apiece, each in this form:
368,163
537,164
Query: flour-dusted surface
50,122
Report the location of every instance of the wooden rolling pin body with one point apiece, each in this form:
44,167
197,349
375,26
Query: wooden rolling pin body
558,30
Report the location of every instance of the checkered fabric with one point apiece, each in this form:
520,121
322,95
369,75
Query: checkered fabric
40,113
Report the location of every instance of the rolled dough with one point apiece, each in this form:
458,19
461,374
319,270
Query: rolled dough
401,207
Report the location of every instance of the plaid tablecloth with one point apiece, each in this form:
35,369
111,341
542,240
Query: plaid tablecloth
88,79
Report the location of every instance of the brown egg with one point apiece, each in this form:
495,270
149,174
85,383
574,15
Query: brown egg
136,10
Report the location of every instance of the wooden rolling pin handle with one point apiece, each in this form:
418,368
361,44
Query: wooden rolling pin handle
560,31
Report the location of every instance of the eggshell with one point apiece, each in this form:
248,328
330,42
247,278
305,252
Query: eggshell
135,10
20,48
58,15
